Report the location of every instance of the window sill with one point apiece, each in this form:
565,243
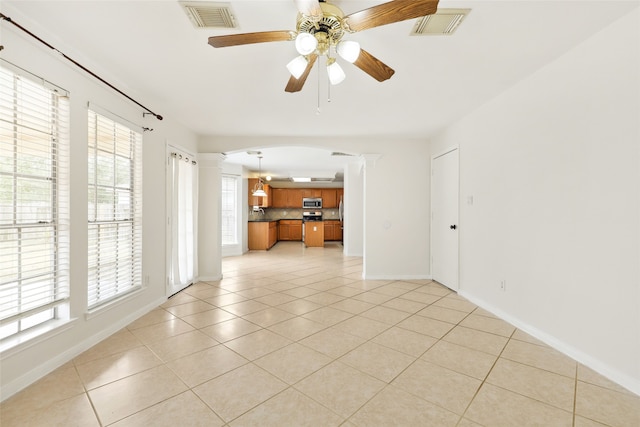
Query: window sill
97,311
16,344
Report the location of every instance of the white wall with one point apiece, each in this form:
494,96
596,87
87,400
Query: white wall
396,215
553,166
29,361
353,232
395,199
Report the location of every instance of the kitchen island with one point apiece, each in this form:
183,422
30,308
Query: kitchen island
263,234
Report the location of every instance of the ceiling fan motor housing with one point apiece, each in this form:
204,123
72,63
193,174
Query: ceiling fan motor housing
327,29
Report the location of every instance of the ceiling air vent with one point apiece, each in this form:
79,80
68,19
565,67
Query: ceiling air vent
209,15
340,154
443,22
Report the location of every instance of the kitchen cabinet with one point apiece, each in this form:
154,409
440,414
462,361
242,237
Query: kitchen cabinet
314,234
279,197
262,202
332,230
262,235
294,197
329,198
287,198
290,229
311,192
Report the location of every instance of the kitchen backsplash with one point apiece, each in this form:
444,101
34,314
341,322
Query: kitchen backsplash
274,214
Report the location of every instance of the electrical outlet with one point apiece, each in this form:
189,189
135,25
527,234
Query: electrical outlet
503,285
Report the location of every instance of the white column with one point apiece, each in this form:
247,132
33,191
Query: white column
353,209
209,216
369,188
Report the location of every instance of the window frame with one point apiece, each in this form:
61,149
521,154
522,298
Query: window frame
34,126
114,264
233,184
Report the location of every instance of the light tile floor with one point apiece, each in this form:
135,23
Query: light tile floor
295,337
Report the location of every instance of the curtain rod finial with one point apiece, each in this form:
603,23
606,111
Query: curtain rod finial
157,116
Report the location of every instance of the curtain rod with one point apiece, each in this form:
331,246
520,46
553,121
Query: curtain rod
148,111
185,158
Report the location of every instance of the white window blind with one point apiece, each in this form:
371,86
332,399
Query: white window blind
34,204
229,210
115,210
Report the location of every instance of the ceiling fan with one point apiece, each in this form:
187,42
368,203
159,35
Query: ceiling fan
320,29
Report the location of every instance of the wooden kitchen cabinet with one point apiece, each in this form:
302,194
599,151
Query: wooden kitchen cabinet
286,198
332,230
290,229
273,233
294,198
329,198
314,234
263,202
262,235
311,192
279,197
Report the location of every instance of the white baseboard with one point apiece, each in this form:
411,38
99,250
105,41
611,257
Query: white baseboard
600,367
210,278
60,359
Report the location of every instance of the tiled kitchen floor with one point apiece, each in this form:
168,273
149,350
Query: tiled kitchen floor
295,337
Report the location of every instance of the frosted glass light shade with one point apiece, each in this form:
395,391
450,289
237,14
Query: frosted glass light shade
336,74
349,50
306,43
297,66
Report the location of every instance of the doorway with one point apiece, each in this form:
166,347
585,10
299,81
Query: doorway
444,218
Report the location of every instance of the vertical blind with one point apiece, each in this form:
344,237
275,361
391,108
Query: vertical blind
115,210
34,203
229,210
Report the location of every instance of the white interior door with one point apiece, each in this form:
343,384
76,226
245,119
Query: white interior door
444,219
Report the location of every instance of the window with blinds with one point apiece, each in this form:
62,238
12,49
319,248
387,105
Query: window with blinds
229,210
115,210
34,204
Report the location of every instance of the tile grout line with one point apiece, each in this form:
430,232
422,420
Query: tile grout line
488,373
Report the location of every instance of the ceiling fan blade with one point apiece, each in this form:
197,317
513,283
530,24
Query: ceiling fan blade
309,7
249,38
390,12
373,66
295,85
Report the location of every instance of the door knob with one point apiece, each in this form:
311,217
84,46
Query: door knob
453,227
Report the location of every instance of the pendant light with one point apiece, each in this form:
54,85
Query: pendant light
258,190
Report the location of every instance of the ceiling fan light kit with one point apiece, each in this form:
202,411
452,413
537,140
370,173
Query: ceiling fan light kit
297,66
348,50
335,72
320,28
306,43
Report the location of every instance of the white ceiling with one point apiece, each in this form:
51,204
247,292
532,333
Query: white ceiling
150,50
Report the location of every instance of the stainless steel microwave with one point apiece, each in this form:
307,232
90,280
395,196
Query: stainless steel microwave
312,202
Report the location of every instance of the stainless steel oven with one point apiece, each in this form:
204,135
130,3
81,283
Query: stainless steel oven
312,203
